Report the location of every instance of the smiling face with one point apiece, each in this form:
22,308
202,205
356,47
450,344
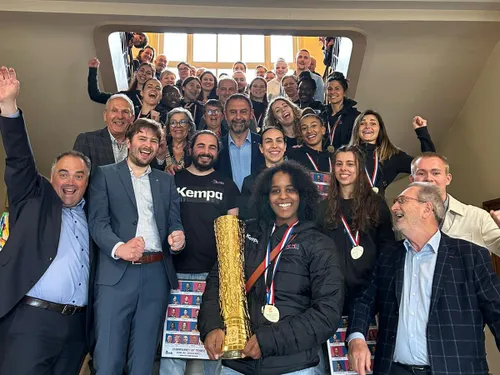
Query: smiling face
69,178
192,90
306,91
239,115
281,68
258,89
408,212
204,152
432,170
335,92
207,82
161,62
303,60
290,86
260,72
369,129
144,73
151,92
312,131
346,168
284,199
167,79
179,126
213,116
241,80
283,112
183,71
226,88
239,67
273,147
118,115
172,97
143,147
147,55
270,75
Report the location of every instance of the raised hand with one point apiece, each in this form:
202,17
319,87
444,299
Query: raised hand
94,63
9,90
161,154
132,250
419,122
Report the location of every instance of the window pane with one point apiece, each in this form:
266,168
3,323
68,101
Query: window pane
253,48
175,46
345,51
204,47
229,48
282,46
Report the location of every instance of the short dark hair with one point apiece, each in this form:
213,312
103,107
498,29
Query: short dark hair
144,42
213,103
74,153
242,63
340,78
265,130
183,63
140,124
201,132
301,181
260,66
238,96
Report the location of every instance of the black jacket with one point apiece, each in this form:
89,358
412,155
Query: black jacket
98,96
348,114
321,158
309,295
358,271
398,163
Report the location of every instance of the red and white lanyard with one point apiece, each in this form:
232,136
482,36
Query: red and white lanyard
315,166
373,177
354,238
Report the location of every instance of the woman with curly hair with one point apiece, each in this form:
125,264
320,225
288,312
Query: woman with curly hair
283,114
384,161
180,127
295,306
356,218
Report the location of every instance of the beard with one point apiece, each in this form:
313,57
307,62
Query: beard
239,127
135,158
204,167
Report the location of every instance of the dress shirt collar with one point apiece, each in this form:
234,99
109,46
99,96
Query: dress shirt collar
455,206
78,206
148,171
432,244
247,139
113,140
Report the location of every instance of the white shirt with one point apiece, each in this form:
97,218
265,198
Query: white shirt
472,224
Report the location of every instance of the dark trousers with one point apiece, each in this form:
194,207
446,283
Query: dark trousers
129,318
397,369
41,342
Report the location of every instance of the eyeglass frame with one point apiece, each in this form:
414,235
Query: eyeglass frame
182,123
405,199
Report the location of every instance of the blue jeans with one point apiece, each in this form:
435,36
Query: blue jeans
177,366
307,371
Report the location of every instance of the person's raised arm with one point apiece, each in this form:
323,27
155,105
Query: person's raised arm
93,83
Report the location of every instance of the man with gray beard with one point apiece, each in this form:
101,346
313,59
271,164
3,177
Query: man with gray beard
239,155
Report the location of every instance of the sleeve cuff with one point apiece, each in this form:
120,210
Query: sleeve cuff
114,250
355,335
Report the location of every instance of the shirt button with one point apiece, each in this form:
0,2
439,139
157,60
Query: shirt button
76,236
412,335
412,313
413,294
80,284
414,275
73,301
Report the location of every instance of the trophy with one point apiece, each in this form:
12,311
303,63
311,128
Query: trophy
230,239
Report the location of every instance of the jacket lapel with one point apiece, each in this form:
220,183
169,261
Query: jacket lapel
107,147
155,193
124,174
440,273
399,277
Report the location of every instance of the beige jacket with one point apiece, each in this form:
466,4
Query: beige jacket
472,224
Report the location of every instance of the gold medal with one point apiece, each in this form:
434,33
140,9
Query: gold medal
330,149
357,252
271,313
375,189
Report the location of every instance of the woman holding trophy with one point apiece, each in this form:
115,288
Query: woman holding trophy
291,288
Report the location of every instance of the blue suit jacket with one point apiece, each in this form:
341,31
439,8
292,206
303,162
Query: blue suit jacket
113,216
465,296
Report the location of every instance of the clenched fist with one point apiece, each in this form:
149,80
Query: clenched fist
132,250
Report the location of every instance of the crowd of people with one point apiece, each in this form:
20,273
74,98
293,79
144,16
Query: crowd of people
90,270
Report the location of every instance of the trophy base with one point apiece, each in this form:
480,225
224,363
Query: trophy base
232,354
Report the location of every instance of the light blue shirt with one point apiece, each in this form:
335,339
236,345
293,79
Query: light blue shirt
411,338
66,280
241,159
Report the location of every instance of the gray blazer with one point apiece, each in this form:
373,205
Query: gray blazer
113,216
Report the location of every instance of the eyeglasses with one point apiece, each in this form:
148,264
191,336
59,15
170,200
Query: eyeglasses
403,199
211,112
176,124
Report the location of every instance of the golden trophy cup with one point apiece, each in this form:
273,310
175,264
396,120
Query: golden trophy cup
230,239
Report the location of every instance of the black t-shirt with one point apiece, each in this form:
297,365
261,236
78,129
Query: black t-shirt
203,199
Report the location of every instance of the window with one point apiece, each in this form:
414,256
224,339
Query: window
218,52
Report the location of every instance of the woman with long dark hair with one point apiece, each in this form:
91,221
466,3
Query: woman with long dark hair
356,218
257,92
151,97
191,90
143,73
306,281
340,113
145,55
208,82
384,161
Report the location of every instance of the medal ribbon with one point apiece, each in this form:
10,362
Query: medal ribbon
373,178
331,132
315,166
284,240
354,238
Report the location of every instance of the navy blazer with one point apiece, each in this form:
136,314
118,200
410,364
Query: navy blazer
465,296
223,164
113,216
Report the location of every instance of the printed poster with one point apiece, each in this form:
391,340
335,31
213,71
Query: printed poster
181,338
337,351
322,182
